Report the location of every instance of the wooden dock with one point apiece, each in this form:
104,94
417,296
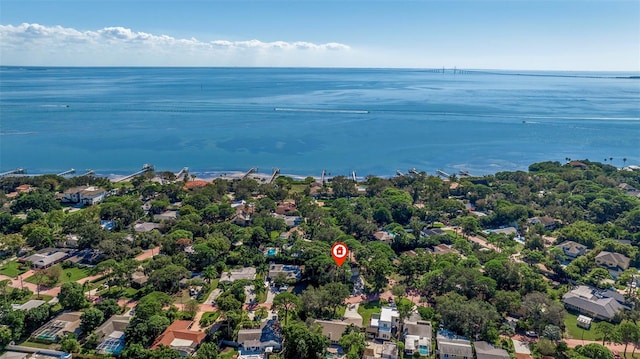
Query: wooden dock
17,171
145,168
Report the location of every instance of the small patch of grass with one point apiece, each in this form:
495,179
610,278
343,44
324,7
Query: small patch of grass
209,318
227,353
575,332
13,269
367,309
28,343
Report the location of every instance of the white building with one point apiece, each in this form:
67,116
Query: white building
385,324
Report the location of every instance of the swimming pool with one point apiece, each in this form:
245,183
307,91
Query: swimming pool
271,252
423,350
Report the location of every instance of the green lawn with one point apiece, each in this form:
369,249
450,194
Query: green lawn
68,275
575,332
366,309
119,292
13,269
75,274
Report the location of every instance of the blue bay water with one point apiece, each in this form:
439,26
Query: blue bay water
373,121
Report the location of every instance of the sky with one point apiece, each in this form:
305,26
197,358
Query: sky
596,35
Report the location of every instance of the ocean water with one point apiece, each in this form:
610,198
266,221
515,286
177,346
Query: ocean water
303,121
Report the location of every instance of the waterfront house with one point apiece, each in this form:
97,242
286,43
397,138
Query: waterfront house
180,337
85,195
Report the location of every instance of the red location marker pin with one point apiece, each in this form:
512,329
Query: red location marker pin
339,252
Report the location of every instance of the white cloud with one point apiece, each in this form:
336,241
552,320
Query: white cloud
35,44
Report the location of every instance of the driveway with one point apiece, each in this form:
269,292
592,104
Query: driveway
351,315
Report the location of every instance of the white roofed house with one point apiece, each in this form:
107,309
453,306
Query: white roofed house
384,325
85,195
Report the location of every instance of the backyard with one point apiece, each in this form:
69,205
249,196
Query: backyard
367,309
575,332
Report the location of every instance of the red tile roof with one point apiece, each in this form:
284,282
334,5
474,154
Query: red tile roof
179,330
195,184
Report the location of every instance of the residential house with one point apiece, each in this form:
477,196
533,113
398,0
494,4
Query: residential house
85,195
146,226
387,350
255,343
25,188
289,221
384,325
111,335
615,263
58,327
47,257
168,215
291,272
417,338
237,274
384,236
138,279
485,350
432,232
180,337
572,249
444,249
286,207
603,305
332,329
452,346
547,222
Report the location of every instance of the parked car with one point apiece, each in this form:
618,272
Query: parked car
532,334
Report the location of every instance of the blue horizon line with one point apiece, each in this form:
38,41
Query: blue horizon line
450,69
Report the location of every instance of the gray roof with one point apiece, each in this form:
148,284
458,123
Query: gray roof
146,226
47,258
332,329
421,329
586,300
485,350
455,347
237,274
572,248
117,323
248,335
620,260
